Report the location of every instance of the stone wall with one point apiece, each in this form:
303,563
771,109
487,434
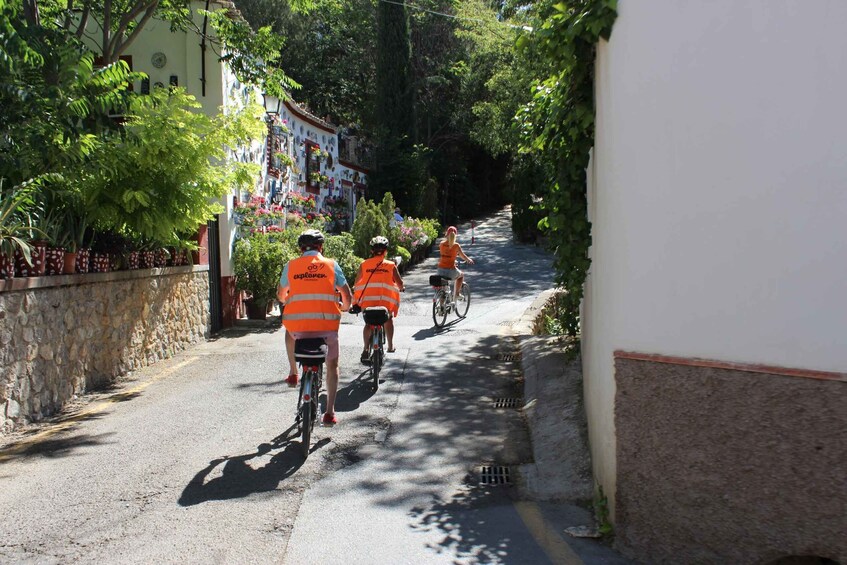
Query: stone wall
719,463
64,335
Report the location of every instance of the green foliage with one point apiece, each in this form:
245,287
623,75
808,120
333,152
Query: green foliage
56,105
404,254
15,223
370,222
253,56
558,127
340,248
258,262
161,178
431,227
601,512
330,51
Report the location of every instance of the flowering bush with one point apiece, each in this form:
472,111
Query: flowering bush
412,235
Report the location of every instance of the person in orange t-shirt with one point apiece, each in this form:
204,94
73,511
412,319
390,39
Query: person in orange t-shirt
449,250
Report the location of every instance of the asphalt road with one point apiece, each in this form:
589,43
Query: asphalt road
190,461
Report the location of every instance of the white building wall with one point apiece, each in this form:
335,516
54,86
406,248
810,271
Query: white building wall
717,192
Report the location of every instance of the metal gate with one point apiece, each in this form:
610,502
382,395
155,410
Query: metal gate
216,309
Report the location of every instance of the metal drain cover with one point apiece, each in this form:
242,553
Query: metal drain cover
495,475
508,356
508,402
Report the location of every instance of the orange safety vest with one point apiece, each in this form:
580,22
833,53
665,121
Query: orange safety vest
381,289
448,255
312,303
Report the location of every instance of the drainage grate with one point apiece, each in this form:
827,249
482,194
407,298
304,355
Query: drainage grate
507,402
508,356
495,475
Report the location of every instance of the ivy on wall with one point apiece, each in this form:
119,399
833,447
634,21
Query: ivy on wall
557,126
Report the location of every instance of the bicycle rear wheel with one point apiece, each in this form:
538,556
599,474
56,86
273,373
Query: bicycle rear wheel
464,301
439,308
308,412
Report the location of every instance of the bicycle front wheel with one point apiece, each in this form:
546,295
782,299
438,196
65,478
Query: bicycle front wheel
439,309
464,301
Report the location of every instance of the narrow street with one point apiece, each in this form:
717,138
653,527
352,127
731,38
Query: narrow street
191,461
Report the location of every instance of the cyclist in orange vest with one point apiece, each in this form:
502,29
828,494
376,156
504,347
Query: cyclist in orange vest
378,283
449,250
309,288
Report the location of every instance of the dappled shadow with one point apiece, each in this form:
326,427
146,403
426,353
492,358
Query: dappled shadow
238,478
357,391
469,531
52,448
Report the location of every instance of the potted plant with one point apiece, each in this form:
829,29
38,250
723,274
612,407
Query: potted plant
258,262
15,225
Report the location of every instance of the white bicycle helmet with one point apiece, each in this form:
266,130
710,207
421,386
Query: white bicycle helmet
379,242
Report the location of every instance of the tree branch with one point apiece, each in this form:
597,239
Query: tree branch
126,19
121,46
83,20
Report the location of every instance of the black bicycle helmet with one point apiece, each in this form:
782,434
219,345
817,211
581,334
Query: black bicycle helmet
310,239
379,243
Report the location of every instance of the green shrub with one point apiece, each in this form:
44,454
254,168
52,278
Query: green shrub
404,254
432,228
370,222
258,262
340,248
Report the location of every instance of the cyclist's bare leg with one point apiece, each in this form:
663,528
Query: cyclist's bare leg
457,287
389,334
366,334
331,384
289,352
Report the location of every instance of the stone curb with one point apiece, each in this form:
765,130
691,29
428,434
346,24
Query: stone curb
555,415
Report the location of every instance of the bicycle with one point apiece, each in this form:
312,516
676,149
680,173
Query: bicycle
375,317
310,354
442,302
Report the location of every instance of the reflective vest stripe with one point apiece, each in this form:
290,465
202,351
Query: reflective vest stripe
377,298
302,297
311,316
376,285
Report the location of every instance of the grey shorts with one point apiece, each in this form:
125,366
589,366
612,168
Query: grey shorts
331,341
451,274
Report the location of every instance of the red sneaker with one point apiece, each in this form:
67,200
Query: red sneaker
330,419
292,380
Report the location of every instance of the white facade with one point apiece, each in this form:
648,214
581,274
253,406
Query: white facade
308,129
717,192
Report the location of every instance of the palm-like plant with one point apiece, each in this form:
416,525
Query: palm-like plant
15,221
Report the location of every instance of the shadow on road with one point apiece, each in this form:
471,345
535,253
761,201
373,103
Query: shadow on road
238,478
465,521
357,391
53,448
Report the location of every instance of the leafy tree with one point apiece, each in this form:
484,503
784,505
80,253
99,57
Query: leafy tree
161,177
330,51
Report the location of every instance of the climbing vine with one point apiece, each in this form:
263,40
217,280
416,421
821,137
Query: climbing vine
557,125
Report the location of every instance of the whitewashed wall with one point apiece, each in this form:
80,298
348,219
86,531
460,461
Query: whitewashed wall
717,192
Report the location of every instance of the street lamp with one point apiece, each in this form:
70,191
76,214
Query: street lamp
272,104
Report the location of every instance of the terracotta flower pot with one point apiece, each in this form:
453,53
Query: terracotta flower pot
83,257
148,259
100,263
161,258
37,256
7,266
69,267
55,261
133,260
